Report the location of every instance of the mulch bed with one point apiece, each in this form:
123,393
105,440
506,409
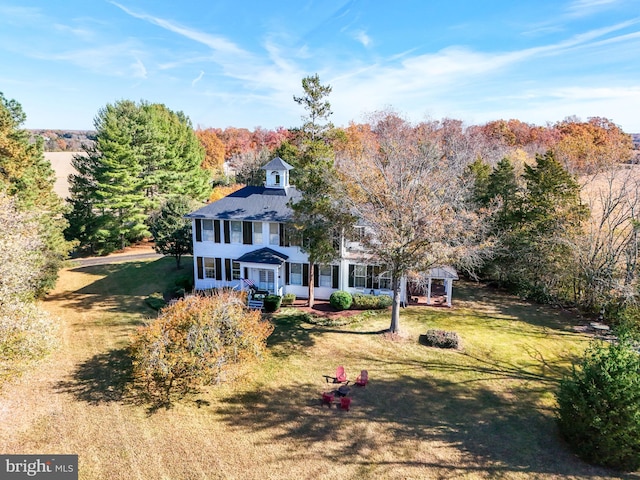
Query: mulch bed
322,308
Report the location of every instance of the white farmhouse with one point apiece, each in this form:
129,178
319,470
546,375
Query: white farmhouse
246,239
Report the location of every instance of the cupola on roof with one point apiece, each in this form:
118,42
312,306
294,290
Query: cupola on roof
277,173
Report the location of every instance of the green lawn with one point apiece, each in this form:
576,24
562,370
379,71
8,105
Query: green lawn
485,411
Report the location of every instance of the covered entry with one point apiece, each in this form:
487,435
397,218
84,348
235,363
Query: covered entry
263,269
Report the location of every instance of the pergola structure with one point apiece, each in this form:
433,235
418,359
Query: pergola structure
447,275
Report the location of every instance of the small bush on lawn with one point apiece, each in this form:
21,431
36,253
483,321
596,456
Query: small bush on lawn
288,298
371,302
272,303
155,301
195,341
341,300
185,282
599,405
440,339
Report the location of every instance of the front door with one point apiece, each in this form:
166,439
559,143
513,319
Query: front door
266,280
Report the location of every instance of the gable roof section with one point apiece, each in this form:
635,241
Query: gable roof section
264,255
252,204
443,272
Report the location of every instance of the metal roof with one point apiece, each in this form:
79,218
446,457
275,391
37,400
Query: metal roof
442,272
252,204
277,164
263,255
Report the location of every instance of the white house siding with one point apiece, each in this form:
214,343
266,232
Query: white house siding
224,254
233,251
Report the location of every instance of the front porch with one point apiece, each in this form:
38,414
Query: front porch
262,271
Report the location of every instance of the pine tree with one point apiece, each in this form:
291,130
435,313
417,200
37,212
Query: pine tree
317,216
144,153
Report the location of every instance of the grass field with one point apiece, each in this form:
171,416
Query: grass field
483,412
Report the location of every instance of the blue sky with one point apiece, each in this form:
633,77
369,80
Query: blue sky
239,63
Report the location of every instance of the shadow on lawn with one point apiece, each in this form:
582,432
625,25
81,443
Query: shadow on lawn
102,378
122,287
496,433
489,299
291,334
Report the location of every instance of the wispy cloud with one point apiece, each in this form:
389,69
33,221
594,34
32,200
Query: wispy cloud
79,32
216,43
138,69
112,60
362,37
579,8
197,79
19,15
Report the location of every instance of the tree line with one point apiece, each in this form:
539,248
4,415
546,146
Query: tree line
491,181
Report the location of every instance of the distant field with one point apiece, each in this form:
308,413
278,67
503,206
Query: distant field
61,163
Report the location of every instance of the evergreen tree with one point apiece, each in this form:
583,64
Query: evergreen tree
317,216
479,172
171,231
28,177
143,154
552,217
502,185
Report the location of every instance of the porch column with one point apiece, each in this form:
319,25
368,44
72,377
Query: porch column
276,281
429,291
449,287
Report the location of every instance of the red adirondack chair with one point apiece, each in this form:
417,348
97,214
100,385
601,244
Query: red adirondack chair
362,379
341,376
327,398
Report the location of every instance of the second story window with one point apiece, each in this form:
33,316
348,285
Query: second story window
257,233
274,234
207,231
236,232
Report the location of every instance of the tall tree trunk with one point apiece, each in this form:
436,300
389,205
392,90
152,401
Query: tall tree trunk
312,281
395,309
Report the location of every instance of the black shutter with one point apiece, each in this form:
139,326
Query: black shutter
287,277
281,231
198,230
305,274
216,231
246,273
369,283
316,276
218,268
227,231
352,275
227,269
200,268
247,234
336,276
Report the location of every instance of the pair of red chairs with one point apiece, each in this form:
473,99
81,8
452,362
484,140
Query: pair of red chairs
341,377
328,398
